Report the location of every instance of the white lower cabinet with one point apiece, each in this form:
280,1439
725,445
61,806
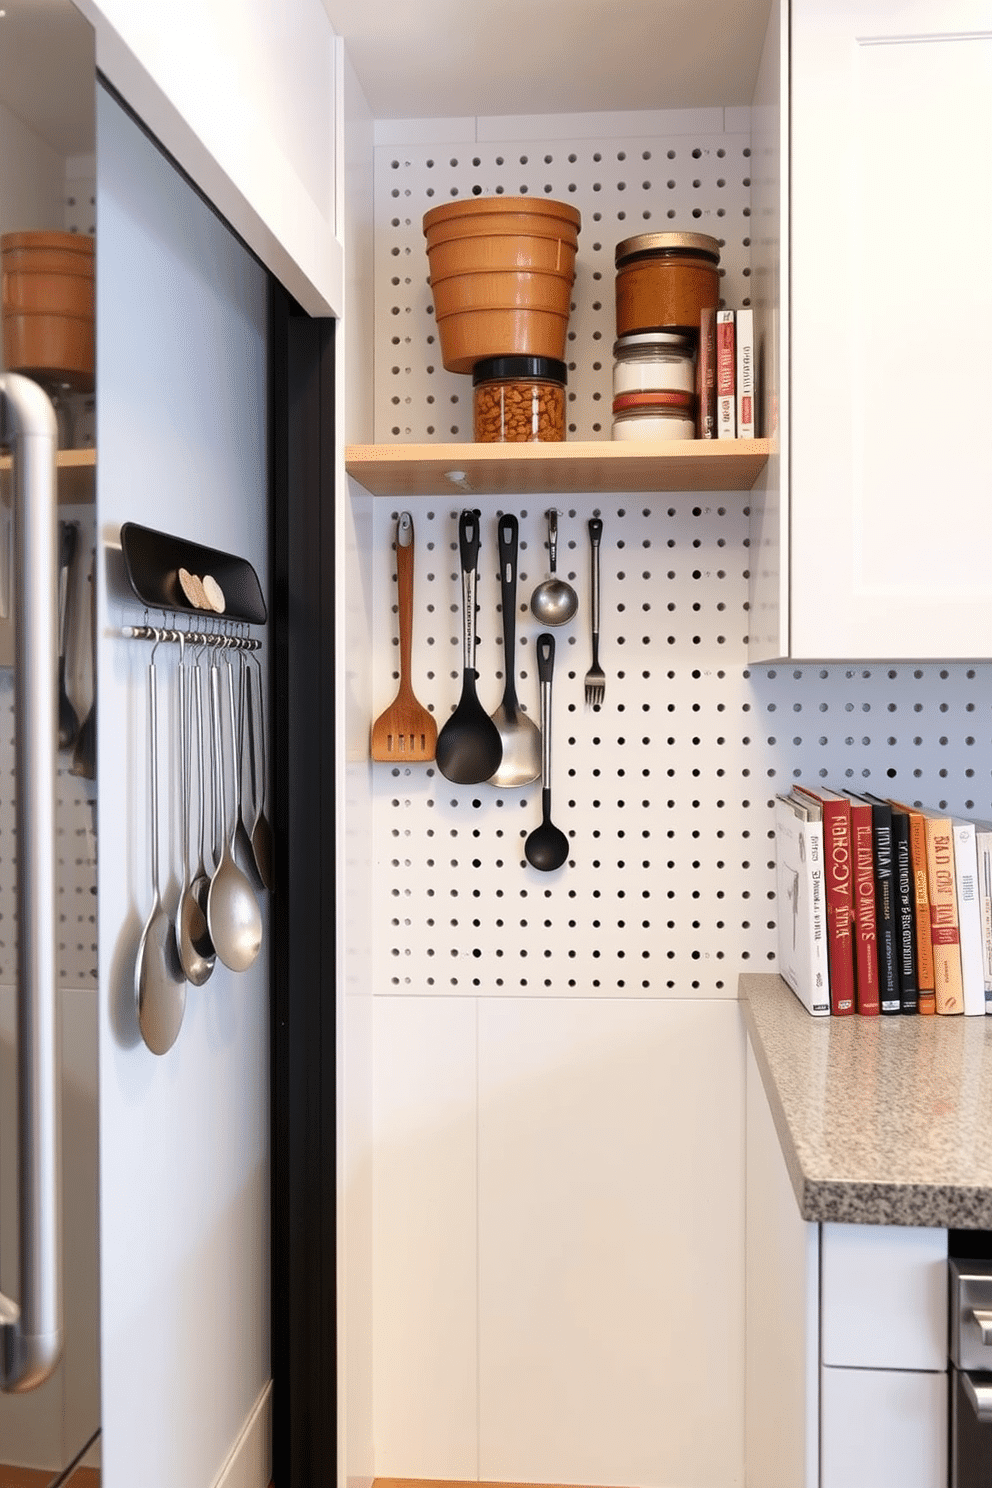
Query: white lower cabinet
846,1338
883,1428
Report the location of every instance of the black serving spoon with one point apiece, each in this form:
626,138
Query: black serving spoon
469,748
547,846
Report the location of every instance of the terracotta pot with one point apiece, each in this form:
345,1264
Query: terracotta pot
473,335
47,299
502,271
522,290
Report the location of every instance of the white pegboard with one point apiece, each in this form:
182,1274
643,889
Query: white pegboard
646,184
666,791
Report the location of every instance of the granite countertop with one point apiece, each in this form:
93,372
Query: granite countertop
881,1120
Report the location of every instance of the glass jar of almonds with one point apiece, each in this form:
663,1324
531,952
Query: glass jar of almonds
519,399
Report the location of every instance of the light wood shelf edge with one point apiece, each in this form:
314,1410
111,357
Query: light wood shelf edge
76,477
597,466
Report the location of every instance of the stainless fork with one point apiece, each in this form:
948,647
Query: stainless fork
595,676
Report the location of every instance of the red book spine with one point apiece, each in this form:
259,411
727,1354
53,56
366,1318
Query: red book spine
726,375
865,945
839,875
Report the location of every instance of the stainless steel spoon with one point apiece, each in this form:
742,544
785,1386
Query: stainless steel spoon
200,884
191,925
244,855
547,846
233,915
521,762
159,985
261,832
554,602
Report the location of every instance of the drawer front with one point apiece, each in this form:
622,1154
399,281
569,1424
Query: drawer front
883,1428
884,1297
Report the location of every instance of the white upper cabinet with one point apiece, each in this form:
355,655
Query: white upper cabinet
882,550
245,95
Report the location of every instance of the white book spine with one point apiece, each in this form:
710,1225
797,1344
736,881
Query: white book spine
983,844
803,960
745,373
726,375
969,918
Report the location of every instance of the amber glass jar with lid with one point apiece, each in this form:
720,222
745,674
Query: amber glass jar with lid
661,415
654,361
519,400
665,280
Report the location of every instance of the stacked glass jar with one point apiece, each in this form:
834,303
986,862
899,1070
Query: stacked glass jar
665,284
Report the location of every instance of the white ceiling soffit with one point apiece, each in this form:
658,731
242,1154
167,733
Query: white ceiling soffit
457,58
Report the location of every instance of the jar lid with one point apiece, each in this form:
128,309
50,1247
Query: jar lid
670,242
644,402
653,340
505,368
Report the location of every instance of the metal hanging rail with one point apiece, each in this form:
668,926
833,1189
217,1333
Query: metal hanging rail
224,642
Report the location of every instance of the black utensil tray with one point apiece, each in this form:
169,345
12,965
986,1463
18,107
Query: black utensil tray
153,560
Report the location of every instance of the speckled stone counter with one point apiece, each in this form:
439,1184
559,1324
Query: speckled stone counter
882,1120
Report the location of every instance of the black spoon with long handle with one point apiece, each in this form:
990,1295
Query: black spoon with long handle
547,846
469,747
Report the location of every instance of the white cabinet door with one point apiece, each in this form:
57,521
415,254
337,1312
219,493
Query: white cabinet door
883,1297
891,190
883,1428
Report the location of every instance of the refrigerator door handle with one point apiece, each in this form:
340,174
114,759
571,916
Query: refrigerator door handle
31,1328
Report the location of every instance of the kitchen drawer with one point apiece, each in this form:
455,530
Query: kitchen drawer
883,1296
883,1428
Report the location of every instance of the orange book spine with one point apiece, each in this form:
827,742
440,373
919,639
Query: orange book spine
924,943
944,928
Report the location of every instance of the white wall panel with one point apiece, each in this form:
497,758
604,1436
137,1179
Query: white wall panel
425,1340
611,1208
184,1155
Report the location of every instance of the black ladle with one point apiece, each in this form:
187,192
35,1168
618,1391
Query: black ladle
547,846
469,747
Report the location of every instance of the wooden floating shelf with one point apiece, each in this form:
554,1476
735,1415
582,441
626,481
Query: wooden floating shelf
76,477
459,470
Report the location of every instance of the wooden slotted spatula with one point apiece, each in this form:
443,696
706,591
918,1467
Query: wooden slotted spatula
406,730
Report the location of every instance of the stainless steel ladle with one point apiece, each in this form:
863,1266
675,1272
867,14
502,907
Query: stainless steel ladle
554,602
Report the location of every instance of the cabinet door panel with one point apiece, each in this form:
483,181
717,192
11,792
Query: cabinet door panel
883,1428
892,214
884,1297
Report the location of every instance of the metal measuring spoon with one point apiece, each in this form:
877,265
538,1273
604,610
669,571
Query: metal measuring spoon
233,915
159,986
554,602
191,924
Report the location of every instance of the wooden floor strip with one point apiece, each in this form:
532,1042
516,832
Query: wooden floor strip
40,1477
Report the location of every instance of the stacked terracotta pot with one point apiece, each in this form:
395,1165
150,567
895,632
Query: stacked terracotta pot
501,274
48,297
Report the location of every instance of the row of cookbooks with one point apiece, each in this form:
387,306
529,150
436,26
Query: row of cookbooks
883,907
725,374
